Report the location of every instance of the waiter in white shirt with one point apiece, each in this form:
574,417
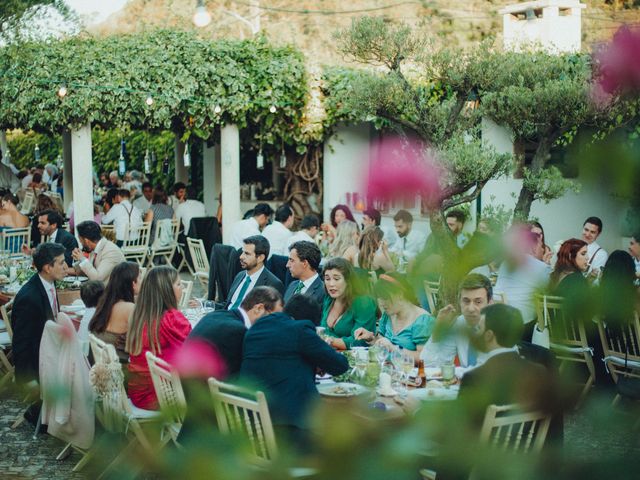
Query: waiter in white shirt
251,226
124,216
596,255
279,231
190,208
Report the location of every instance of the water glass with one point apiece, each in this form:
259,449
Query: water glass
448,371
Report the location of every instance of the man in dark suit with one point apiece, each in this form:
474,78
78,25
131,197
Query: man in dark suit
50,224
254,253
303,264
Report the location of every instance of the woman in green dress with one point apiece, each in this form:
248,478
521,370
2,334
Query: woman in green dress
343,311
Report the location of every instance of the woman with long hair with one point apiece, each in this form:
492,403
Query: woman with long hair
345,244
344,311
159,210
339,214
374,251
570,266
156,325
110,322
542,251
617,291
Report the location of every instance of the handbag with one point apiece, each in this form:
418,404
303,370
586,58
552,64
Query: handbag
541,337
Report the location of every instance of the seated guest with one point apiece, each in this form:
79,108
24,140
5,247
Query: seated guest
543,251
634,250
345,243
451,332
251,226
343,311
179,195
303,264
143,202
568,274
103,257
374,252
50,225
156,325
123,215
43,203
410,241
282,356
110,323
309,228
190,208
302,307
90,294
159,210
11,217
279,232
403,323
338,214
596,255
372,218
255,251
455,221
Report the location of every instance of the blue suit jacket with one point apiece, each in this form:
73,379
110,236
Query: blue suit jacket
281,355
315,291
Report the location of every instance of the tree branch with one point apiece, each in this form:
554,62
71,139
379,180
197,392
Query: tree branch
405,123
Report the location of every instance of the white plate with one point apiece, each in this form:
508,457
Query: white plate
74,279
343,389
438,393
390,393
72,308
433,372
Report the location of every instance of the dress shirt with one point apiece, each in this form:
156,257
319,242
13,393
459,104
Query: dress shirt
300,236
254,279
451,343
50,288
277,234
142,204
637,262
243,229
52,237
308,282
187,210
410,245
26,181
123,215
245,318
599,259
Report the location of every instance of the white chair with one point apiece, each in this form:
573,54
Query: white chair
187,288
57,199
199,260
136,247
161,247
432,290
13,239
6,335
168,387
27,202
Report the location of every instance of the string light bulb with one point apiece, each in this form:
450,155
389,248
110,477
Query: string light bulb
149,100
260,160
272,109
202,17
62,91
217,109
187,156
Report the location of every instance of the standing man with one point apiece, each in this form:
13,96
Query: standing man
251,226
410,241
279,231
309,228
50,224
596,255
303,264
190,208
124,216
104,255
255,251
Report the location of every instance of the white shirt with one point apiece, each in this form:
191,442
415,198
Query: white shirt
599,259
300,236
83,330
52,237
26,181
142,204
243,229
520,285
277,234
410,245
499,351
252,283
452,343
308,282
187,210
245,317
50,288
123,215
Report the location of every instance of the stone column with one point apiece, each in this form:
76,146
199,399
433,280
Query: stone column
82,173
211,174
230,178
67,168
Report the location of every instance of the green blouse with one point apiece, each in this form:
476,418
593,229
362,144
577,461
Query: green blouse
362,313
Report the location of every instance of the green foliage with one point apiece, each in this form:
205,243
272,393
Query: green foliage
548,184
497,216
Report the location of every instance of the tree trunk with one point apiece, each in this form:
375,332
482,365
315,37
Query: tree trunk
527,196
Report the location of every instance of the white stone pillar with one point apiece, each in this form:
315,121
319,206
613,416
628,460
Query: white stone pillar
67,169
3,143
230,178
211,180
181,174
82,170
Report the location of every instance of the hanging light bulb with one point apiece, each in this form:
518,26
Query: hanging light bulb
147,160
187,156
272,109
202,17
7,157
59,161
149,100
37,153
283,160
122,165
217,109
62,91
260,160
165,165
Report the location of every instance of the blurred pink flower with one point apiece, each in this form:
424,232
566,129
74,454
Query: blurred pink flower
401,169
618,65
199,359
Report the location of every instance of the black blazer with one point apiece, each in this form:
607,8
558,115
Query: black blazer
225,330
69,242
315,291
266,279
281,355
31,310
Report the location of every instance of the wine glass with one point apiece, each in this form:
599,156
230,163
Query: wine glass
407,367
362,361
381,355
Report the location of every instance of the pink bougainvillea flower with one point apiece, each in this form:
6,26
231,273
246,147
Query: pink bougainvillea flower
199,359
403,169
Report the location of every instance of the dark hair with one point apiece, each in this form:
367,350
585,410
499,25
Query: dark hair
304,307
53,216
636,236
110,195
594,221
191,192
159,196
262,209
89,230
46,253
505,322
36,178
268,296
566,261
537,224
283,212
10,197
617,290
90,292
309,221
457,214
147,185
260,243
374,215
44,202
119,288
123,192
308,251
474,281
404,216
178,186
394,284
345,209
347,271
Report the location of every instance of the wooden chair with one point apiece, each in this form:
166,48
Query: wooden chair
168,387
157,249
27,202
200,261
568,339
6,336
432,290
57,199
187,288
136,247
14,238
108,232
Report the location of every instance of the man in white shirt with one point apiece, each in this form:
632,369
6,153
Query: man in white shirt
103,254
123,216
410,241
250,226
189,209
634,250
279,231
309,228
179,195
596,255
143,202
451,333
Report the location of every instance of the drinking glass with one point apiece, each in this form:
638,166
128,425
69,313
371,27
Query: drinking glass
448,371
362,361
407,366
381,355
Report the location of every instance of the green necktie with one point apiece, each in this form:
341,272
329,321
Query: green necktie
299,288
243,291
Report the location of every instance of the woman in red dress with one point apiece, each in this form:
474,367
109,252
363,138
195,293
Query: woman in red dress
156,325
